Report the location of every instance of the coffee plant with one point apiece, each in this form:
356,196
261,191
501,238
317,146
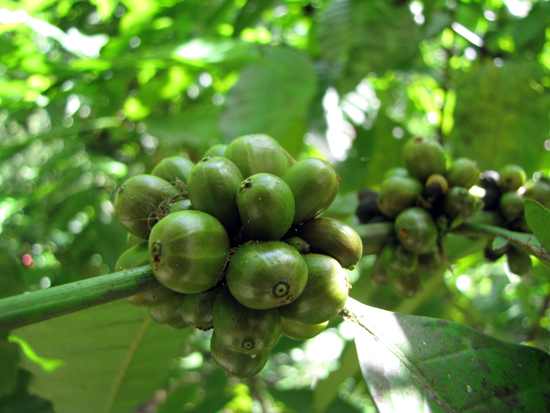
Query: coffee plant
274,206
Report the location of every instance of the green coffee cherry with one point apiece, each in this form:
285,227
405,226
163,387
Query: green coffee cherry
333,238
132,241
254,154
463,172
538,191
299,331
511,178
216,150
133,257
325,294
398,193
235,363
375,236
268,274
266,207
397,260
174,168
458,205
138,256
423,157
197,308
299,244
168,314
212,187
431,264
494,254
314,184
396,171
379,275
416,230
137,202
511,205
181,205
406,285
244,329
152,298
519,261
188,251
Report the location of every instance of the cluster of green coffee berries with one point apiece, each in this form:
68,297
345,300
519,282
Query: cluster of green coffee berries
237,242
411,211
505,192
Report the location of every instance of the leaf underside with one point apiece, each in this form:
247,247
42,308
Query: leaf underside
114,355
422,364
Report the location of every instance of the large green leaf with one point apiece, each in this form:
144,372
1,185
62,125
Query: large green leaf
424,364
500,115
538,219
385,38
194,129
335,31
272,97
113,356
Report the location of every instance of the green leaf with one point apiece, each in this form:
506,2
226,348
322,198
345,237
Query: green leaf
500,115
529,32
195,128
272,97
114,355
202,51
538,219
104,7
385,38
335,31
423,364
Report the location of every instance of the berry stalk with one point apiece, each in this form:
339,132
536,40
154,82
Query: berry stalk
25,309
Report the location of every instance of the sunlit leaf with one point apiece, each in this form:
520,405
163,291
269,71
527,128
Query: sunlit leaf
201,51
114,357
104,7
414,363
135,109
137,14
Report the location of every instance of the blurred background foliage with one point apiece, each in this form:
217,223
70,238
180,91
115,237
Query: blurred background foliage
94,92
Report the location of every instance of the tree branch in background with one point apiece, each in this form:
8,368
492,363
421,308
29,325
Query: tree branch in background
527,242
